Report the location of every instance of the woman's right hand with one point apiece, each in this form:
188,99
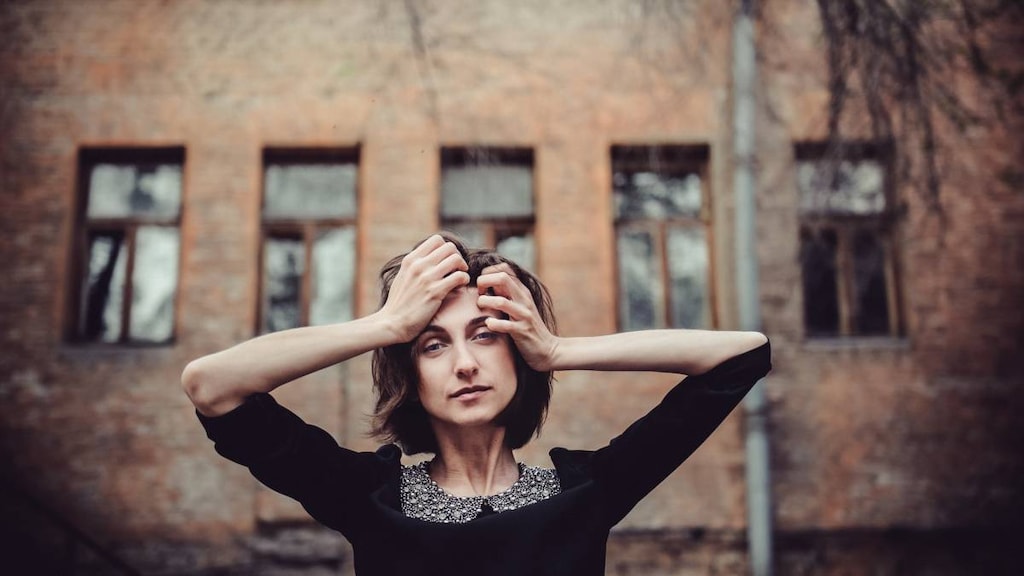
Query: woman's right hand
427,274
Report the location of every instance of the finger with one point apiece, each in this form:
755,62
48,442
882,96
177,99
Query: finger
425,247
441,252
500,325
452,263
500,303
499,281
452,281
489,285
424,264
503,284
499,267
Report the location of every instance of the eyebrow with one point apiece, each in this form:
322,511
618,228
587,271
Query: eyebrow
434,328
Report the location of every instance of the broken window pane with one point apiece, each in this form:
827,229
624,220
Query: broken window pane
310,191
869,284
334,268
651,195
818,259
104,288
154,279
121,191
284,260
487,191
688,270
640,286
842,187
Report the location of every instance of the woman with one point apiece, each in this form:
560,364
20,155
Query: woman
464,349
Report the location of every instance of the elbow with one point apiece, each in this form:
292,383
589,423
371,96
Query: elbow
757,339
752,341
195,382
731,345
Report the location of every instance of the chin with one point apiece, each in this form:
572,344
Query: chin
474,419
489,421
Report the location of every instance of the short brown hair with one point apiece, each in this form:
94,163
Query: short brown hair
399,417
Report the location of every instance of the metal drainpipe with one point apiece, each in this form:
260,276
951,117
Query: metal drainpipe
759,507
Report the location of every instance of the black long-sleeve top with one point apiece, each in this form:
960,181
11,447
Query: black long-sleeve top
357,493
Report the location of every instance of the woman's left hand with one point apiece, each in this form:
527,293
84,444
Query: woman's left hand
524,325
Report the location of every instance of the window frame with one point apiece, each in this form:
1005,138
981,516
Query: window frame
495,228
845,227
680,159
85,229
304,229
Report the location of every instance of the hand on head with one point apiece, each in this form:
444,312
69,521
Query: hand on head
427,274
501,290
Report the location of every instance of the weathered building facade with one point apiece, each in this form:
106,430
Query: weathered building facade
176,177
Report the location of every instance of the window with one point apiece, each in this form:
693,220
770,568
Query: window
487,198
662,236
128,245
846,243
309,237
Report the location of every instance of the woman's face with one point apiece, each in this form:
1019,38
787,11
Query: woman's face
467,372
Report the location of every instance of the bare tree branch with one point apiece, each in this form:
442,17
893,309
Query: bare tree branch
902,59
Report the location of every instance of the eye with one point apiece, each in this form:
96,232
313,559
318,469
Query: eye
485,335
431,346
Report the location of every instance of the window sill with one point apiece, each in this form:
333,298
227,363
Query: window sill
74,350
857,343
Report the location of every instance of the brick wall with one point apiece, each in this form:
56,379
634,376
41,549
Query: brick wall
916,433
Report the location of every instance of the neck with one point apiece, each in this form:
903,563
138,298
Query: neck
473,462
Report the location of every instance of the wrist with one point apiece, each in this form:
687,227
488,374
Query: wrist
556,354
393,329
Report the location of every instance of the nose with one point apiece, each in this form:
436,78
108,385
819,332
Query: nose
466,365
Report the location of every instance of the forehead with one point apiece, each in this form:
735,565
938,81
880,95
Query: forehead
459,307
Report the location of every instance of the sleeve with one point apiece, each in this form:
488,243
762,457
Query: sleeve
636,461
299,460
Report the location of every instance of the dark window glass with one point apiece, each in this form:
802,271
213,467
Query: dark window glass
846,225
821,305
869,284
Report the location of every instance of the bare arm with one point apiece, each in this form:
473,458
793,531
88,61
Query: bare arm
688,352
220,382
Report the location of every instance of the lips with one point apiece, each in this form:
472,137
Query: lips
469,390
